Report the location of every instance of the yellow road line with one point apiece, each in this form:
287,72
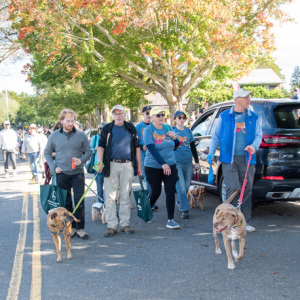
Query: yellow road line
16,276
36,281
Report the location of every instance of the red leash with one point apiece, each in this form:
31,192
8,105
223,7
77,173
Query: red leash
245,181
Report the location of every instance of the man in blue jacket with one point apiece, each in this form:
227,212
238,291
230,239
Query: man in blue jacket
238,131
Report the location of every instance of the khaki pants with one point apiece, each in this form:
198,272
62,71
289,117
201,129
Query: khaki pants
121,177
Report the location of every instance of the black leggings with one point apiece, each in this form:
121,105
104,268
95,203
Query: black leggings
155,177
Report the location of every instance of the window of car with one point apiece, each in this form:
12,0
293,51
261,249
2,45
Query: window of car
287,116
216,119
202,128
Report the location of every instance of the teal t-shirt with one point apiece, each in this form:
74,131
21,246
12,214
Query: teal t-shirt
163,143
240,133
183,154
140,131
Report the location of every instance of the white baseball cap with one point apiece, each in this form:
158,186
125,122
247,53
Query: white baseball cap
6,123
40,129
241,93
119,107
32,126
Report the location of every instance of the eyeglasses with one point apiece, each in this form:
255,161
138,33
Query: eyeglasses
160,115
181,117
147,113
120,114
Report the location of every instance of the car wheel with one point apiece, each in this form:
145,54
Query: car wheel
222,189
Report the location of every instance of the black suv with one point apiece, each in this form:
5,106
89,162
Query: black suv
277,175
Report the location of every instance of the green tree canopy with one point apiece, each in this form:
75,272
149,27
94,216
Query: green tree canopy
167,47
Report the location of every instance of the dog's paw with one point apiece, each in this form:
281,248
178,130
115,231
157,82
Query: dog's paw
231,266
238,258
235,254
58,260
69,256
218,251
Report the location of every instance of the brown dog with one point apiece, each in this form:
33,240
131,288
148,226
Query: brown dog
231,222
59,220
195,194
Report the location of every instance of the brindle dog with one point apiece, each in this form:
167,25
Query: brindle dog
59,220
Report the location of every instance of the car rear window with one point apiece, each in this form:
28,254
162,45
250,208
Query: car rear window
287,116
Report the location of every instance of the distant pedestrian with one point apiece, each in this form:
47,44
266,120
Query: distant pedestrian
70,145
120,159
44,141
183,156
160,164
32,147
140,131
295,94
8,144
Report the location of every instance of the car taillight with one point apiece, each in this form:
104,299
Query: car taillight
275,141
273,178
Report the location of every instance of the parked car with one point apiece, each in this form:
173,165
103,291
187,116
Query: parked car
90,132
277,174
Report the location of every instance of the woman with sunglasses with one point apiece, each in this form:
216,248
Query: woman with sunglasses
160,164
183,155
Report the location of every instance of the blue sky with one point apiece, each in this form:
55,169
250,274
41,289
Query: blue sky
287,56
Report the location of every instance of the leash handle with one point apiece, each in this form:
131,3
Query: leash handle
85,192
245,180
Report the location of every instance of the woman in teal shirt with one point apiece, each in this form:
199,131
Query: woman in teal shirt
184,155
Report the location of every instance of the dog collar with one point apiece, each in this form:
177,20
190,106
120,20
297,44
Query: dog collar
238,224
58,231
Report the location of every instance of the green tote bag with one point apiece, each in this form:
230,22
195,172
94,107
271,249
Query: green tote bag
143,207
52,196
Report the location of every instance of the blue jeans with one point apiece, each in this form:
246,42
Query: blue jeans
143,155
99,181
34,163
182,186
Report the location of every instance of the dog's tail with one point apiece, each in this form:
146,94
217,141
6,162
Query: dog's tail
232,196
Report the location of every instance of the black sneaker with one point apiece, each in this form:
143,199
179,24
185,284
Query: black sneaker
185,215
82,234
154,207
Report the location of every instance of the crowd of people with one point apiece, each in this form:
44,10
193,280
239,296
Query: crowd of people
153,149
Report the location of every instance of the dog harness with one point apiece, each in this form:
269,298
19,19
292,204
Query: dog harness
58,231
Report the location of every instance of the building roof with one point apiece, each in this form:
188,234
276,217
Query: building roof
261,77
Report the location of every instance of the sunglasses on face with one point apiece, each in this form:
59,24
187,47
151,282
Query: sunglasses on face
147,113
160,115
181,117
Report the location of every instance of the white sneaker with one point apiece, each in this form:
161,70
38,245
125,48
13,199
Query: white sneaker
250,228
97,205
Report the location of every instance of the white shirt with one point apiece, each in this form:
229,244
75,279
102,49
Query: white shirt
8,139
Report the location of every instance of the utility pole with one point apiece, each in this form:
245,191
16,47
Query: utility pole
7,114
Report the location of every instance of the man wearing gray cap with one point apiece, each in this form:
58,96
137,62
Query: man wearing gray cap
119,156
8,143
238,131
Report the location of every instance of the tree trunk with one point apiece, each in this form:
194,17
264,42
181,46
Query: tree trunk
105,113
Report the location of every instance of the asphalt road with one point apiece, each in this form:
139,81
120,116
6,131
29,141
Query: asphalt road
153,263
